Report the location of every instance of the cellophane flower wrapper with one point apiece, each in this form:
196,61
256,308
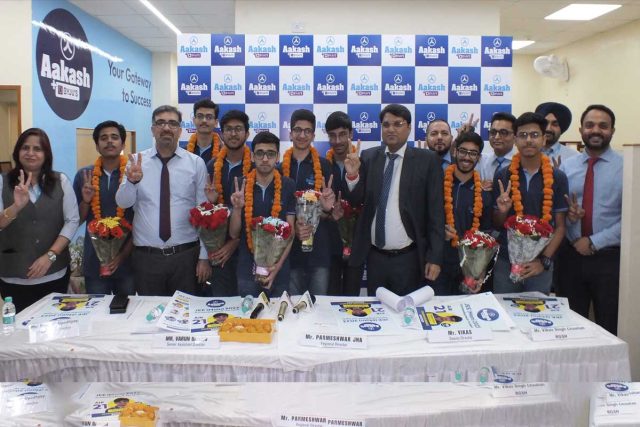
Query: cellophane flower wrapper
212,223
347,225
476,250
107,237
527,237
308,211
270,239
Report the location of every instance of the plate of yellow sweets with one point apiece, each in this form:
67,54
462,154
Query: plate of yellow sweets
247,330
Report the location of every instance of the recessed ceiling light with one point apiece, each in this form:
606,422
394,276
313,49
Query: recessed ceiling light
160,16
582,12
519,44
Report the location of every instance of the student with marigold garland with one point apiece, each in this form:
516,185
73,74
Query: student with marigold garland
466,207
95,187
344,279
529,186
233,161
303,164
205,142
264,192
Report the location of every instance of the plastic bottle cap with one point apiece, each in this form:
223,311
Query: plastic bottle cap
8,299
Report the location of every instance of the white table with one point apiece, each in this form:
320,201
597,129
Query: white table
112,353
615,404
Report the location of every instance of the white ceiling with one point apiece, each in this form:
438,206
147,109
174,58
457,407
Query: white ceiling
523,19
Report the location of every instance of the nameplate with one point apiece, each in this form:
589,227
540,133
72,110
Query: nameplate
559,333
459,335
53,330
612,409
292,420
186,341
520,390
328,340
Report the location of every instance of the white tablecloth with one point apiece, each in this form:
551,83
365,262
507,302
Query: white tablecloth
110,352
615,404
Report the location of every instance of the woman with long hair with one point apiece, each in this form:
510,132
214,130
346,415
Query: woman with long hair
38,218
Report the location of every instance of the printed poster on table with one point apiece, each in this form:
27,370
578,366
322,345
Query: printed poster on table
537,312
176,314
208,314
60,307
107,406
365,317
460,314
487,310
23,398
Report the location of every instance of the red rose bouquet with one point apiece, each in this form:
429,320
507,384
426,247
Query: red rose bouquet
476,249
347,225
527,236
212,222
308,211
107,236
270,239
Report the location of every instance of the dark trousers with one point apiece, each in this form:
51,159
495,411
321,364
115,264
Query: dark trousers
25,295
344,279
157,274
224,282
583,279
400,273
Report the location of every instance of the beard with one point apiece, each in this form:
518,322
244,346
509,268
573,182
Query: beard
596,141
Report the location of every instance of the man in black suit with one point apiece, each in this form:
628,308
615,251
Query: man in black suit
401,229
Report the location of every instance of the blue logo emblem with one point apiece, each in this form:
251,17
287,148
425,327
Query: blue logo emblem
370,327
503,379
617,387
215,303
543,323
488,314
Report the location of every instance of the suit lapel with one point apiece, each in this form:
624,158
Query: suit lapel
377,171
405,176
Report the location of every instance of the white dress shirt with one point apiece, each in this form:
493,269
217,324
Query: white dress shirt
558,150
187,179
489,163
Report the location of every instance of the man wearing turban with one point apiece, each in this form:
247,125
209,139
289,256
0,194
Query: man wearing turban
558,121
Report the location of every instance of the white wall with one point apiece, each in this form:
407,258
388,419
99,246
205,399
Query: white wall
15,45
367,16
603,70
164,75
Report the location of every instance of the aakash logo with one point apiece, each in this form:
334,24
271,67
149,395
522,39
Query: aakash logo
431,50
262,50
425,114
431,87
370,327
619,387
496,87
464,50
488,314
262,85
228,88
215,303
464,85
329,49
398,85
364,49
195,49
228,49
296,50
364,119
496,51
543,323
330,84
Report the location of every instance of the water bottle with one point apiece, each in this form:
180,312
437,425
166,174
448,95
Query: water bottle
247,303
8,316
155,312
408,314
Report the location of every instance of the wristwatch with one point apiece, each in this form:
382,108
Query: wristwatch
546,262
52,256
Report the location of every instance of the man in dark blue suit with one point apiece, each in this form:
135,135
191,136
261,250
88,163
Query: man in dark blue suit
401,229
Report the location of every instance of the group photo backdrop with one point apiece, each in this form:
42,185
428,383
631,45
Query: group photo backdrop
447,77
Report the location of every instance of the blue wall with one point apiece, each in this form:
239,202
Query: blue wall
110,96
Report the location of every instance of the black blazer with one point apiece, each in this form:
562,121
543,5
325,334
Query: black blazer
421,202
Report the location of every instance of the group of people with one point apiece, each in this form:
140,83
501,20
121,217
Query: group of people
415,205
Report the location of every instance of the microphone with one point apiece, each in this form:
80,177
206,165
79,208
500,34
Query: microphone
306,301
264,302
284,303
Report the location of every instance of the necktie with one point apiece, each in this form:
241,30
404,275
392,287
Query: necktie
587,199
165,203
500,161
381,210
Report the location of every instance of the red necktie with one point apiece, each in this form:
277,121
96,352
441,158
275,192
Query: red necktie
165,201
587,199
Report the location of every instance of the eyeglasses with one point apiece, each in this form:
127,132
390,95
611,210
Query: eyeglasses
467,153
271,154
235,129
342,136
298,131
201,116
173,124
525,135
503,132
396,125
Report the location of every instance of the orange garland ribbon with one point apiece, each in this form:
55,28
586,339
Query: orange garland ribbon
217,169
448,202
248,202
95,182
331,153
215,144
547,179
317,170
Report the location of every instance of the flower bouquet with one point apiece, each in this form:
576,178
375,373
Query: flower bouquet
347,225
308,212
527,236
270,239
107,236
212,222
476,249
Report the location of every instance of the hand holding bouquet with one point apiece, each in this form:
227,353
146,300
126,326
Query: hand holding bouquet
476,249
347,225
271,236
107,236
308,213
212,222
527,236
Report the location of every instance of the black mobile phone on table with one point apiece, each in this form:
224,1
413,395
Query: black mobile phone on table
118,304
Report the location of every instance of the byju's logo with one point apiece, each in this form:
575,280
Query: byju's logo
215,303
64,68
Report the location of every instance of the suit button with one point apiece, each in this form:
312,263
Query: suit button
37,240
34,221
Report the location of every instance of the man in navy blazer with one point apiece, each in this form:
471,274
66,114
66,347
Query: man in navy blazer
400,232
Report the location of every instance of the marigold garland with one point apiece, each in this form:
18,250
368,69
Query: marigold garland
317,170
547,179
448,202
217,169
95,183
248,202
331,153
215,144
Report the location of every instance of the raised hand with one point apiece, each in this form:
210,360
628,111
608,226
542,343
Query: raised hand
469,126
87,187
421,144
504,201
327,197
575,212
237,198
338,212
449,232
134,171
210,190
21,191
487,185
352,161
